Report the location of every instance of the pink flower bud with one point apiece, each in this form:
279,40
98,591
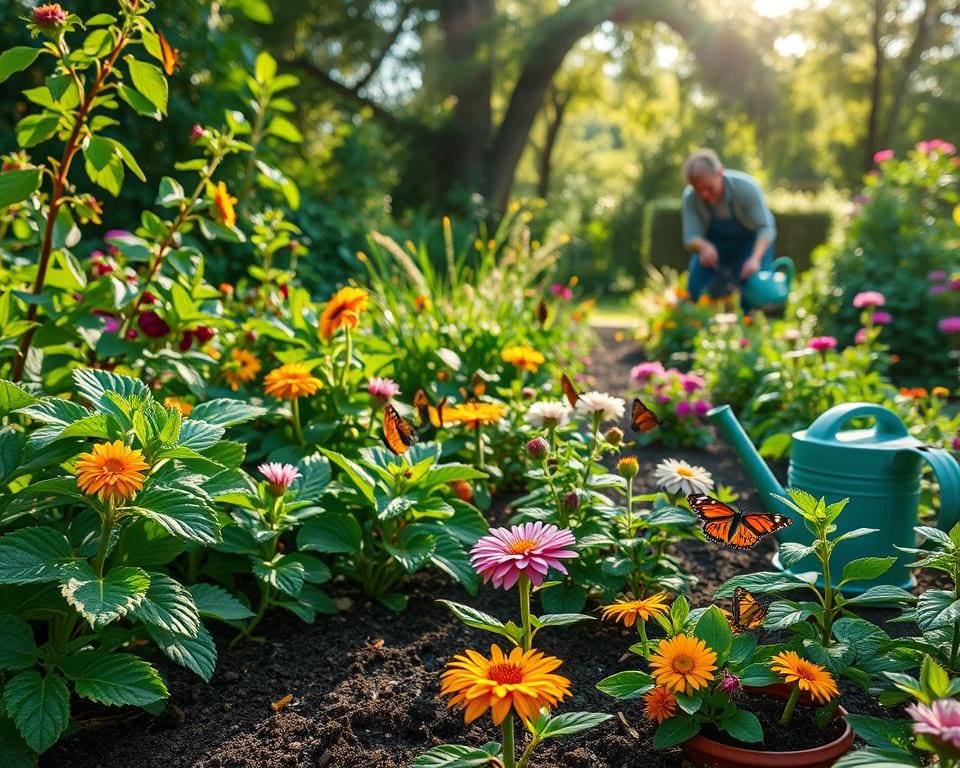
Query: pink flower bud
537,448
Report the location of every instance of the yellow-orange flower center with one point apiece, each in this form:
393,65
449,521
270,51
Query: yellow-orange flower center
521,547
683,663
506,673
684,472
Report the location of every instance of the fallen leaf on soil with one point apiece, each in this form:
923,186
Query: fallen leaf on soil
282,703
631,731
378,643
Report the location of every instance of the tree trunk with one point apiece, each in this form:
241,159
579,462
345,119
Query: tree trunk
876,86
559,103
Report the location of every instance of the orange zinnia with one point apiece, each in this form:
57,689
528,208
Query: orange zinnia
683,664
628,611
290,381
343,310
111,471
808,676
244,367
524,357
181,405
224,204
659,703
473,414
521,681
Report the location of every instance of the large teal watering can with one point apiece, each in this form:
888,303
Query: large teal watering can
769,288
878,469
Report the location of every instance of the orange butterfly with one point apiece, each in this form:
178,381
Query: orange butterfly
642,419
569,390
734,527
169,56
398,433
748,612
428,414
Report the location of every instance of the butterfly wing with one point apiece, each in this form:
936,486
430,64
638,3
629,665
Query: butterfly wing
398,433
764,523
569,390
422,404
642,419
436,414
748,612
169,56
718,518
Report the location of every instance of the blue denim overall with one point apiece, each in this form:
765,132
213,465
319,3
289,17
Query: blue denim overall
734,244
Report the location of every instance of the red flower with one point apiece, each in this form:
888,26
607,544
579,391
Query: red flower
152,324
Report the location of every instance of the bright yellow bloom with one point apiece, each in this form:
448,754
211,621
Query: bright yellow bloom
683,664
524,357
181,405
224,204
342,310
244,367
521,681
659,704
472,414
628,611
810,677
940,392
290,381
113,470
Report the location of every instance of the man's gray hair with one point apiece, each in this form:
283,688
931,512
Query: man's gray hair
703,162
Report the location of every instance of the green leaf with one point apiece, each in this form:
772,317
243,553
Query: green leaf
626,685
357,475
457,756
140,103
675,730
447,473
937,608
560,619
413,548
179,512
149,81
103,165
714,630
34,129
129,160
114,679
101,600
168,605
882,593
17,647
315,474
16,753
689,703
33,555
331,532
315,571
17,59
743,726
563,598
450,557
198,654
280,573
473,617
39,706
17,186
264,68
284,129
13,398
94,384
934,678
881,732
785,613
758,675
866,568
570,723
226,412
877,758
791,553
199,435
217,603
761,583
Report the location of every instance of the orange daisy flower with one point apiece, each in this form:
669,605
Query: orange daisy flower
181,405
343,310
683,664
112,471
628,611
522,681
243,367
224,205
524,357
472,414
810,677
290,381
659,704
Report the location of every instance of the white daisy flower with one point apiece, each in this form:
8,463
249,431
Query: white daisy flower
611,408
675,475
551,413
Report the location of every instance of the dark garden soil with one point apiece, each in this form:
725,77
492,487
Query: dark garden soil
364,683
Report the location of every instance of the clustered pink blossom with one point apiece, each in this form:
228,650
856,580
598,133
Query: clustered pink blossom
669,385
692,383
869,299
949,325
937,275
860,336
530,549
882,156
684,408
822,343
558,289
280,476
936,290
644,371
882,318
936,145
537,448
382,389
700,407
49,15
940,720
729,684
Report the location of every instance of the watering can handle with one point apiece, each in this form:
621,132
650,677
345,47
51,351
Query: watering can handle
826,426
787,263
947,471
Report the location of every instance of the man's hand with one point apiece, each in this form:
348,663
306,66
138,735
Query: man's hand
750,266
708,255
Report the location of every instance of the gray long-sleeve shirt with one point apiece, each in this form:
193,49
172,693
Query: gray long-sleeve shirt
741,195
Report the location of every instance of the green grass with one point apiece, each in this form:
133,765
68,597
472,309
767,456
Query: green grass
613,312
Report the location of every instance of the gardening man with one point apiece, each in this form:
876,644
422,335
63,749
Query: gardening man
726,224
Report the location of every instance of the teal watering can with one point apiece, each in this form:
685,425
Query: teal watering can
769,288
878,469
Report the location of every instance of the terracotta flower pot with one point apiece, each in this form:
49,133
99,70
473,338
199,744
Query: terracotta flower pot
706,753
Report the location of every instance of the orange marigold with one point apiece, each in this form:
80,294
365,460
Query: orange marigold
343,310
224,205
659,703
111,471
522,681
473,414
683,664
628,611
181,405
810,677
524,357
243,366
290,381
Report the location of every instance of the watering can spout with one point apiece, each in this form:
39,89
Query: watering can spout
760,474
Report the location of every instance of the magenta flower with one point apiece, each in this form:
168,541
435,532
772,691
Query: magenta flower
152,324
940,720
882,318
537,448
955,285
729,684
882,156
701,407
530,549
382,389
692,383
869,299
557,289
936,145
860,336
684,409
280,476
822,343
936,290
949,325
663,399
744,343
197,133
937,274
49,15
956,443
645,371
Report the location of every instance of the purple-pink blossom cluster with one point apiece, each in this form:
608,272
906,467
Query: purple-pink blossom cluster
684,393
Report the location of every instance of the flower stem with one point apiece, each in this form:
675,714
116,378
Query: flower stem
642,630
348,361
528,751
105,532
524,586
478,451
791,703
509,752
295,410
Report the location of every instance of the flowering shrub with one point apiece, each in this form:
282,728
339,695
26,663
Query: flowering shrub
680,401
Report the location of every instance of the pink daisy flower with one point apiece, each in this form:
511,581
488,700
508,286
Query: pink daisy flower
382,389
691,382
882,318
822,343
529,549
882,156
949,325
869,299
645,371
280,476
940,720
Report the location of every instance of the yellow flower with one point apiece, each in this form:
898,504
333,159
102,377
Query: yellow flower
628,466
940,392
243,367
683,664
342,310
224,204
628,611
290,381
524,357
113,470
521,681
659,704
473,414
810,677
181,405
